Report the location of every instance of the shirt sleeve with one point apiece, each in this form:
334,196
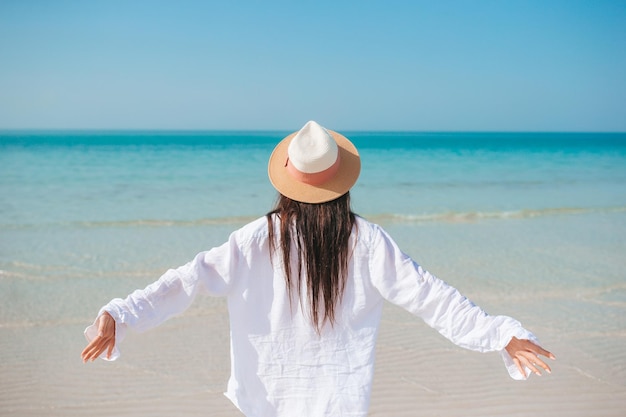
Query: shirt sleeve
210,272
403,282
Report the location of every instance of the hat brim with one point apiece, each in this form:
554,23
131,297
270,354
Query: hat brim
342,181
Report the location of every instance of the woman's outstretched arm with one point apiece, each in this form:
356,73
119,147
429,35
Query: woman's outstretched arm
402,281
209,272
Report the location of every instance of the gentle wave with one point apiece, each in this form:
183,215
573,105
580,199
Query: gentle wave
169,223
148,223
468,217
47,273
446,217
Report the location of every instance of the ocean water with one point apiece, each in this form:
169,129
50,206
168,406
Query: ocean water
61,190
527,224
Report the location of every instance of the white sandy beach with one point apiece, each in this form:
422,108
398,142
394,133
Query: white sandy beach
182,367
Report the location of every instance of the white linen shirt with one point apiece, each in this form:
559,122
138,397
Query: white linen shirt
279,365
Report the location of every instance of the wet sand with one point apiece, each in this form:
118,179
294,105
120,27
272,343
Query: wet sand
182,367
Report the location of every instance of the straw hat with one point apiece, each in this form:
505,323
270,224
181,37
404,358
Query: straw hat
314,165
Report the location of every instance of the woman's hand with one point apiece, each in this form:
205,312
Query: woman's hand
104,341
524,353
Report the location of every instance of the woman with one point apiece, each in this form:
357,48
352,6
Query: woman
305,288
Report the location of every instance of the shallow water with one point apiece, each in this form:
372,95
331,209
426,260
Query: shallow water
529,226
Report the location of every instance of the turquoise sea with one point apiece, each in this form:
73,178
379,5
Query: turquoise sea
527,224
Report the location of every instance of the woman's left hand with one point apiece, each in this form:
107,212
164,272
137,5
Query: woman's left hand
105,340
525,354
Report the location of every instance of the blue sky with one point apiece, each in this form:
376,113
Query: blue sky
359,65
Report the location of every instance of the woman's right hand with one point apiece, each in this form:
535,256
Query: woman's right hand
526,354
105,340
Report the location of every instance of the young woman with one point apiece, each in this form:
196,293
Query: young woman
305,287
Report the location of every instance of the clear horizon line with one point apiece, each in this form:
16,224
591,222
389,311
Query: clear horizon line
252,130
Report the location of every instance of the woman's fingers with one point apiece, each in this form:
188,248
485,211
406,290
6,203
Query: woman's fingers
86,354
536,349
93,349
536,361
104,341
520,368
528,363
541,351
525,354
98,345
531,361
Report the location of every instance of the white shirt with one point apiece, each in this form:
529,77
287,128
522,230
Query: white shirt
279,365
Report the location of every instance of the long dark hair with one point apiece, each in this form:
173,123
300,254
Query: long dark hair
320,234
